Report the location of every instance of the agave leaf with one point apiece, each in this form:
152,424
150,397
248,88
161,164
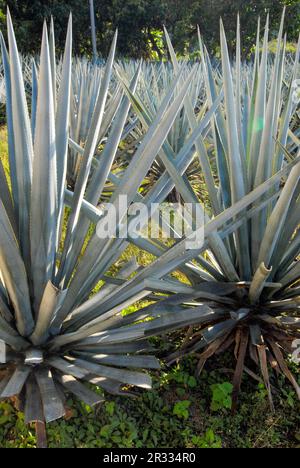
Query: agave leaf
16,342
122,348
93,335
3,382
52,59
257,125
290,276
218,330
7,328
97,184
237,170
111,110
288,257
14,275
237,183
259,279
288,235
34,97
62,123
257,50
52,405
16,382
123,376
67,367
167,322
89,397
219,129
264,166
44,190
50,302
9,118
22,147
238,97
111,386
6,198
4,307
284,130
94,344
142,362
33,404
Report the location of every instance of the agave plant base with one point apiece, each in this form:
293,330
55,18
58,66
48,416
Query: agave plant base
259,333
18,403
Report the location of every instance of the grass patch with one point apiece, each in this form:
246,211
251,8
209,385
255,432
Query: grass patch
4,149
177,413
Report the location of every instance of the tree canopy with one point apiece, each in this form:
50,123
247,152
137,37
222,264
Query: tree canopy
140,23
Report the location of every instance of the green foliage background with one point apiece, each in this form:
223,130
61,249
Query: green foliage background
140,22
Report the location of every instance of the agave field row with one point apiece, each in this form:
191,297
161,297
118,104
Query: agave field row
220,136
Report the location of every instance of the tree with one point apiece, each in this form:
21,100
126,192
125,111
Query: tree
28,17
182,20
140,23
253,9
135,20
